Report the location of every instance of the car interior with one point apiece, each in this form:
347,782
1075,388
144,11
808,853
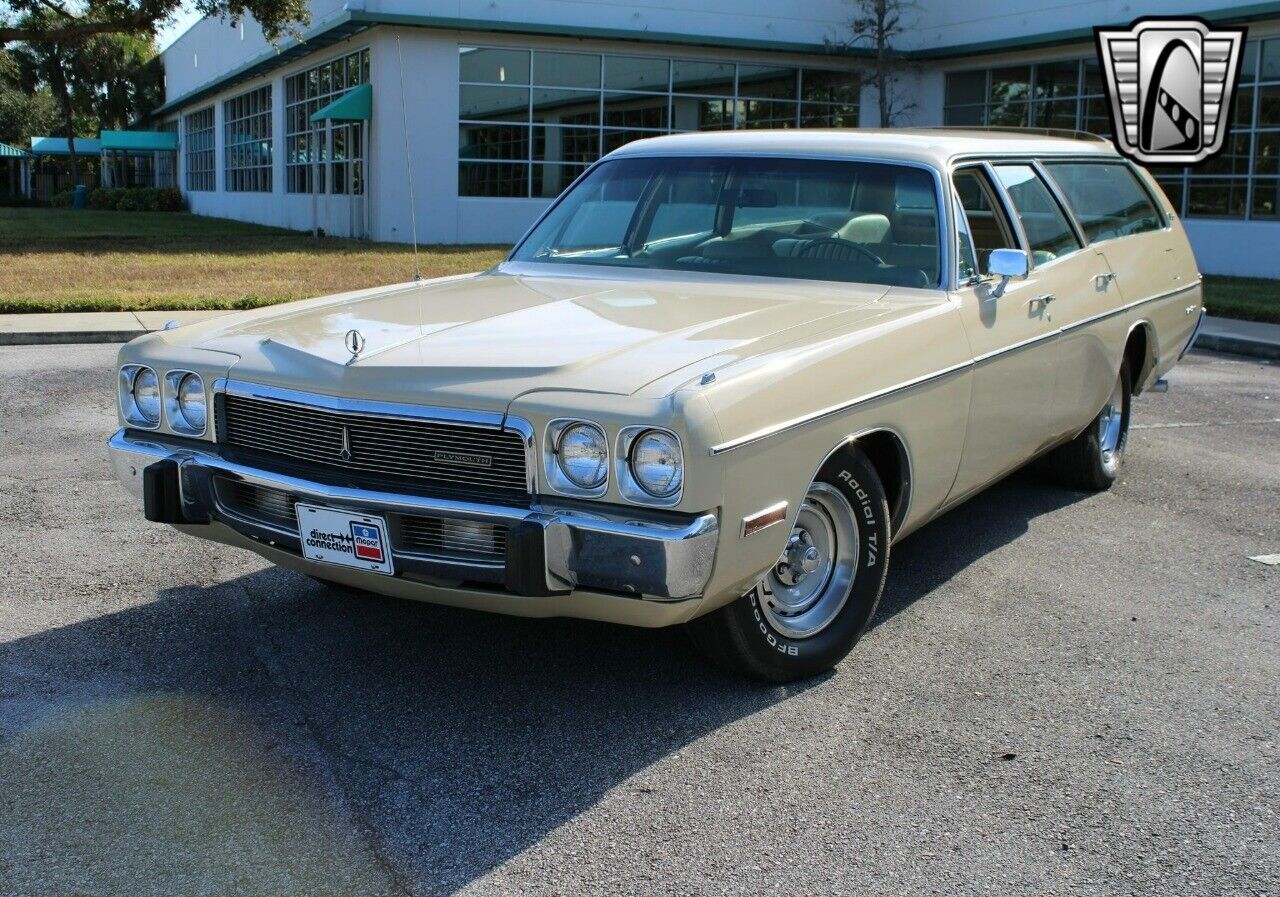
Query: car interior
841,221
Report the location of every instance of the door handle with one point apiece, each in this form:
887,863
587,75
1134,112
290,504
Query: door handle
1101,280
1043,300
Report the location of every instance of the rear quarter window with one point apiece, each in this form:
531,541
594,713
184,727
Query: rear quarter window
1106,199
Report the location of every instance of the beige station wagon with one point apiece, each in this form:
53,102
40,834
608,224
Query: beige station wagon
714,384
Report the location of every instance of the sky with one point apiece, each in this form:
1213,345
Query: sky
185,18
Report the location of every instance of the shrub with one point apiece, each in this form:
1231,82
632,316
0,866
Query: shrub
137,199
62,200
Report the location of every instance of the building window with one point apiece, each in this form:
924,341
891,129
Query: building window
530,121
246,142
329,156
198,146
1242,182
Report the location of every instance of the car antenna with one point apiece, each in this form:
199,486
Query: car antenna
408,164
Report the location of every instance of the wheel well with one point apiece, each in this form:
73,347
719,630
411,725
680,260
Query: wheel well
1137,351
889,457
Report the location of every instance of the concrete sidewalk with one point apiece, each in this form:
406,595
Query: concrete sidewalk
90,327
1218,334
1240,337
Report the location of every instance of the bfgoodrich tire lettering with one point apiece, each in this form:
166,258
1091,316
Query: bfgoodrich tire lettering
784,630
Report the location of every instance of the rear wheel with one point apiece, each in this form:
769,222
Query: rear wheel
1093,459
811,608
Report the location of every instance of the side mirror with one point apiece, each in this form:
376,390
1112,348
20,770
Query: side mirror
1006,263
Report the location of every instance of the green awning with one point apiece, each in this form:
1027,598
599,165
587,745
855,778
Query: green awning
354,105
12,152
140,141
60,146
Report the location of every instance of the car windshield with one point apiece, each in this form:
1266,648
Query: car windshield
857,222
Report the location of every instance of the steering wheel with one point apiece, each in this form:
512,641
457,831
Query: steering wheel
838,241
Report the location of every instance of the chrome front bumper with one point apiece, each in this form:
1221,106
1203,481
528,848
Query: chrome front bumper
550,551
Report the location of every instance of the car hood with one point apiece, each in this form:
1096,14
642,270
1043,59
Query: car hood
483,340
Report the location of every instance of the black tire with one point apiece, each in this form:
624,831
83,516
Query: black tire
1084,463
741,637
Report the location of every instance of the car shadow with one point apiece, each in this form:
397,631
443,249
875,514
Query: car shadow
445,742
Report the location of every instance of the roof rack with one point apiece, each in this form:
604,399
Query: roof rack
1044,132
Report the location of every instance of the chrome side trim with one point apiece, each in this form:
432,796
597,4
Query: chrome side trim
773,430
1018,346
1112,312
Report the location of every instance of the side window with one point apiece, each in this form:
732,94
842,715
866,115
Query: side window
966,259
984,217
1048,232
1106,199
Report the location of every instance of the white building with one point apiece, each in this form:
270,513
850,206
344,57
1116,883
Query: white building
501,104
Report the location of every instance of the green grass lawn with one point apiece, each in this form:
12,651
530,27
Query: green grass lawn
64,260
1247,298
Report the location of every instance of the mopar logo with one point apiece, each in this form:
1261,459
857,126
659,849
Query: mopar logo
463,458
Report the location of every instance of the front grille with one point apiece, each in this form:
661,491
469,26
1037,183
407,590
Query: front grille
465,541
453,456
258,503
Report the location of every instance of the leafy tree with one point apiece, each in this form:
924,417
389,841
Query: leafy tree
875,26
74,20
24,109
96,81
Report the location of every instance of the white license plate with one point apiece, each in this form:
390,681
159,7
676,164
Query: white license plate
345,539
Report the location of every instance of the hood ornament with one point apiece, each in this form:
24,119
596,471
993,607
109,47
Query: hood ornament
354,342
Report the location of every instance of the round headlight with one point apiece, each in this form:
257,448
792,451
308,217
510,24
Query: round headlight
583,455
191,401
656,463
146,395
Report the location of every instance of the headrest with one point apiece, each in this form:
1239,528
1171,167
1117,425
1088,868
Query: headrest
869,228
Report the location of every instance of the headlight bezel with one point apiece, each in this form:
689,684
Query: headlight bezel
179,420
557,477
629,483
128,402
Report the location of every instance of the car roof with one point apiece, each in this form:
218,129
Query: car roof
936,147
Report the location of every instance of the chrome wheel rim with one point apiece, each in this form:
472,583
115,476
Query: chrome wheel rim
810,584
1111,425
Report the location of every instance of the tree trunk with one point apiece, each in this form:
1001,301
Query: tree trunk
58,83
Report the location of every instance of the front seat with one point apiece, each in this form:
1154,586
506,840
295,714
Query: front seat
868,228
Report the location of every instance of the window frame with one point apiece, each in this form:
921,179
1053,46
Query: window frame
1161,214
1006,217
1033,163
260,176
211,151
738,106
944,282
300,177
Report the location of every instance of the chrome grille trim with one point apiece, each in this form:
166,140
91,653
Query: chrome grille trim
383,439
455,540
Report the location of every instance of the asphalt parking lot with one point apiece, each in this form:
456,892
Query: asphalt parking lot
1061,694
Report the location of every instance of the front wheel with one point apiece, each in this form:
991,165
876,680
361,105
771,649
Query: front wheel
814,604
1091,462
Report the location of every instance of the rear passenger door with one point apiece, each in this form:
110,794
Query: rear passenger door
1074,286
1121,220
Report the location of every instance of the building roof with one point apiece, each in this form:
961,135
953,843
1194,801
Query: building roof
58,146
10,152
932,146
139,141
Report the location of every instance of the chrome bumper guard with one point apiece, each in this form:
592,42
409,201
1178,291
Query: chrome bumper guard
549,550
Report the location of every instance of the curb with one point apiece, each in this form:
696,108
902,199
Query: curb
1237,345
54,338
